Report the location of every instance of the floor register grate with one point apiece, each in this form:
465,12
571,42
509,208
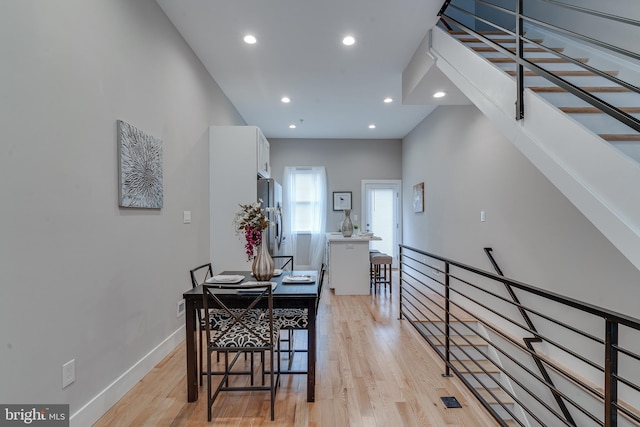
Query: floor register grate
451,402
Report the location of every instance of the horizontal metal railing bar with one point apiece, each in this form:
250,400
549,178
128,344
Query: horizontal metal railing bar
582,37
489,374
422,263
567,375
534,333
427,336
423,274
533,354
611,110
532,311
626,412
571,302
532,374
484,21
626,382
515,380
552,388
595,12
627,352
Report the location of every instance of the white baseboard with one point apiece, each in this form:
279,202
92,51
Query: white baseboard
103,401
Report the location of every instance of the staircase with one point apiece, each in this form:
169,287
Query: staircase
621,136
590,158
468,350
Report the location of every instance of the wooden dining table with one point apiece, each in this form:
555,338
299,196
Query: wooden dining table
287,295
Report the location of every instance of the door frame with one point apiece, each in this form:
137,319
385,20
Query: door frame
395,184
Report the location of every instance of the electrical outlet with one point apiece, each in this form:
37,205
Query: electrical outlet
186,217
68,373
180,309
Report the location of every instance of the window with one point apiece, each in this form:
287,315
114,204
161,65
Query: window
305,209
307,191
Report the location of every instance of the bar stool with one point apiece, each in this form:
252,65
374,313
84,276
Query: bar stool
381,271
372,252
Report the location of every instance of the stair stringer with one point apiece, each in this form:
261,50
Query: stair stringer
599,180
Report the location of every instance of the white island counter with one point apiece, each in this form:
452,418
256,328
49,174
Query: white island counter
348,262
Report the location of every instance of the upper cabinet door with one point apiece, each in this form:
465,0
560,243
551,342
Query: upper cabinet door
264,165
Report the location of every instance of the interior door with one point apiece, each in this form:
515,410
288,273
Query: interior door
381,214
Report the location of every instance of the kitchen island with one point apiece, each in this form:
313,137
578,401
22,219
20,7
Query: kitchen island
348,263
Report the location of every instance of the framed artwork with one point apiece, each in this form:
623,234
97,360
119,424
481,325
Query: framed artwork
341,200
140,168
418,197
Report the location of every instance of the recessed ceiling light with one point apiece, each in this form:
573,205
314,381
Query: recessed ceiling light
372,126
388,100
249,39
439,94
348,40
292,126
285,99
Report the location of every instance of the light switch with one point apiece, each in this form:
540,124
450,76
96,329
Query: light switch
483,217
186,217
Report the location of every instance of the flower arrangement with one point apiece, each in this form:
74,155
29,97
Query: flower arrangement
249,222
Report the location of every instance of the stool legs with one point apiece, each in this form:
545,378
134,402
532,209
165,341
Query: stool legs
380,271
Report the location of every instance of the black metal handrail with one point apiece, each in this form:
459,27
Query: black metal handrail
522,62
462,314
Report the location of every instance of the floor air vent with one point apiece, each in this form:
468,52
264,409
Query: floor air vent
451,402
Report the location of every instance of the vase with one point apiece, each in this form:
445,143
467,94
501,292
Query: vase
347,225
263,265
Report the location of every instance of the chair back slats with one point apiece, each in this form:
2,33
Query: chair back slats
283,262
200,274
245,320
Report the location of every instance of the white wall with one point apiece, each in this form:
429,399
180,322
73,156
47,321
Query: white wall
347,161
537,235
80,278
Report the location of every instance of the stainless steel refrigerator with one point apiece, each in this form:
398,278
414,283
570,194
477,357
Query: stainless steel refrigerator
270,192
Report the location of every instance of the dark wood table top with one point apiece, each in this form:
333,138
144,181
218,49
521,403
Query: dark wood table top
282,290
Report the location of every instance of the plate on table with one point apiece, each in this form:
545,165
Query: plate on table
226,278
253,283
298,279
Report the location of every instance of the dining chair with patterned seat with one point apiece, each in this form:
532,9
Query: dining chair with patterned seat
243,333
217,318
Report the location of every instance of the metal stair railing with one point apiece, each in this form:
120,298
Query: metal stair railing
519,21
440,297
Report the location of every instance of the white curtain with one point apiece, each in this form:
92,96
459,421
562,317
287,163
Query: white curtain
305,200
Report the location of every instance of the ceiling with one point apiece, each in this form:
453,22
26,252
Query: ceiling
336,91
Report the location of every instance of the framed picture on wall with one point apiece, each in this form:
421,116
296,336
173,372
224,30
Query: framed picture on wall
418,197
341,200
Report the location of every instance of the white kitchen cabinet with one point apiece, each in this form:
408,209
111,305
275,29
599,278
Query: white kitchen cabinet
233,172
348,259
264,165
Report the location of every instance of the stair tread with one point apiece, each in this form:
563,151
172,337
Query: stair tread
594,110
510,40
491,33
550,60
501,395
473,339
558,89
526,49
633,137
469,366
575,73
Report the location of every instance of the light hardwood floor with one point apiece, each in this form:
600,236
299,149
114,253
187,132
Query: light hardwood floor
372,370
